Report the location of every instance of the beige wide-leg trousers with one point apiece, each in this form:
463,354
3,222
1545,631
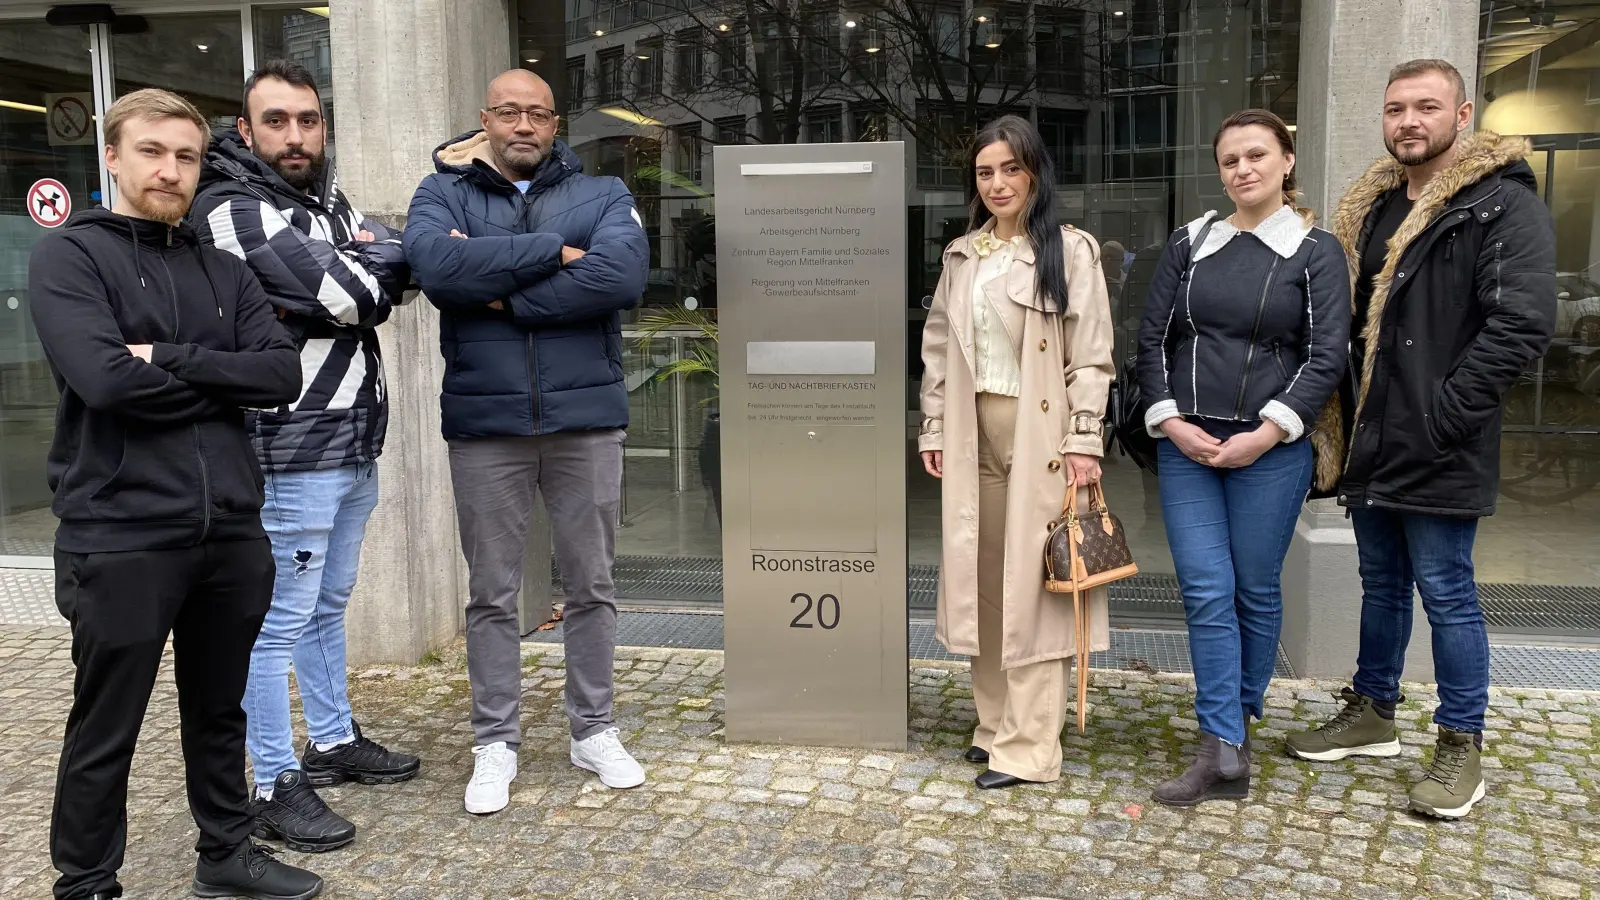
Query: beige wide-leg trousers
1021,711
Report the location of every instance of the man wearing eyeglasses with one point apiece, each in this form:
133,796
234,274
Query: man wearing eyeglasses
530,263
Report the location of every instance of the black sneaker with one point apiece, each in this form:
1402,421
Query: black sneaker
298,817
362,760
252,871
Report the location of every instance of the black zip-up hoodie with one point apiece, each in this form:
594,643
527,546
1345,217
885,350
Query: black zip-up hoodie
154,455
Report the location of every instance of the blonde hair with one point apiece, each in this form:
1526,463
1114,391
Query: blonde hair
1280,131
151,103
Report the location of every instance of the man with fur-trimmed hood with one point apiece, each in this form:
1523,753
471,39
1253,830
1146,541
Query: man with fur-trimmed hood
1452,256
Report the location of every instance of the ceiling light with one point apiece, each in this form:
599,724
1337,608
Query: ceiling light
982,14
874,41
642,55
849,22
531,60
628,115
203,48
1119,13
599,32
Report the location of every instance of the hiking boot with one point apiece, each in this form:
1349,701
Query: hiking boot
253,871
298,817
1455,779
1220,772
362,760
1364,727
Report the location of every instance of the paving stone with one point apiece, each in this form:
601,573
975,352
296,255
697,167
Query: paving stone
757,822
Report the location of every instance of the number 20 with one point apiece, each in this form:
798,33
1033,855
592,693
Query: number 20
821,602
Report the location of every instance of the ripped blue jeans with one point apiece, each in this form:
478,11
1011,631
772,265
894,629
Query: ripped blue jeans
316,521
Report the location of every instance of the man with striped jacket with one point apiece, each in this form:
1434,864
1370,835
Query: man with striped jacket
267,195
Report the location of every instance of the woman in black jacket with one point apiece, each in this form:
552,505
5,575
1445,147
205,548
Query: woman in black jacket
1244,341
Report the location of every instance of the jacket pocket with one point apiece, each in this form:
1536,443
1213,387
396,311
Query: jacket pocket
157,479
234,480
1277,357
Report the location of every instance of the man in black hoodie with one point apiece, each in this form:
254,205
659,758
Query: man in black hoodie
157,345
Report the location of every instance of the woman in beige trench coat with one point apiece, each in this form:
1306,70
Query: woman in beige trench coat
1017,361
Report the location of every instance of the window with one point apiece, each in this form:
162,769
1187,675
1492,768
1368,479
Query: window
1066,135
730,130
575,84
781,42
1058,41
686,151
868,67
869,122
303,37
938,51
731,63
609,89
649,67
690,61
940,157
825,125
819,44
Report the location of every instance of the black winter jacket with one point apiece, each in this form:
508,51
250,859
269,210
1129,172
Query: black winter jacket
334,290
1249,326
1465,301
154,455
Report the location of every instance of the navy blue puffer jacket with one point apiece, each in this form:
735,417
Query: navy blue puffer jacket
551,360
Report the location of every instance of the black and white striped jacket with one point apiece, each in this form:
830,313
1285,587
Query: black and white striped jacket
334,291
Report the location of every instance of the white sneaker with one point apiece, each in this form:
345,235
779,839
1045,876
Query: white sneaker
490,788
603,755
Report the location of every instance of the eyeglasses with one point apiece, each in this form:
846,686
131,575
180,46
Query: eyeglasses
539,117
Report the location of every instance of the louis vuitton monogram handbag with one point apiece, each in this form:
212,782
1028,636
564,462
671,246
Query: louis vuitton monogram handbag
1083,551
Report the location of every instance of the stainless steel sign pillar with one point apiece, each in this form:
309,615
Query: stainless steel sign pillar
811,265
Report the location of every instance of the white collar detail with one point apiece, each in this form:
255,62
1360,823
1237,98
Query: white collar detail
1283,231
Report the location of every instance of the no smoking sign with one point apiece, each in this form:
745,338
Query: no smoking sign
49,203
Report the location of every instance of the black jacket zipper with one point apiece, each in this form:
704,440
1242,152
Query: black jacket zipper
1255,335
199,444
1277,357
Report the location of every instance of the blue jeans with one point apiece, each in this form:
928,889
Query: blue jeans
316,521
1229,531
1400,551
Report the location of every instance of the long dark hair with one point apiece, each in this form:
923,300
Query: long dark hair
1280,132
1038,216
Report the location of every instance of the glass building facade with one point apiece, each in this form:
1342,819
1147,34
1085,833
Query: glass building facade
1127,94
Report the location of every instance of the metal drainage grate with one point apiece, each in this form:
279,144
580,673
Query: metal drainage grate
1517,608
28,598
1145,651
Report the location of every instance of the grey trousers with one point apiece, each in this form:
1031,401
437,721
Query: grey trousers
495,480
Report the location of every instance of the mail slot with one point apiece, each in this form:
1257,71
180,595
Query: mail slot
811,264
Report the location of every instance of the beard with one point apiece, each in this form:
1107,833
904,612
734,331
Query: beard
160,207
302,178
1436,147
522,162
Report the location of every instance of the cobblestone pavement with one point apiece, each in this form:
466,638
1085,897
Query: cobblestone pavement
776,822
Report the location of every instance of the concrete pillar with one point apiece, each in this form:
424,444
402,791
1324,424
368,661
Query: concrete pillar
407,75
1346,50
1322,601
